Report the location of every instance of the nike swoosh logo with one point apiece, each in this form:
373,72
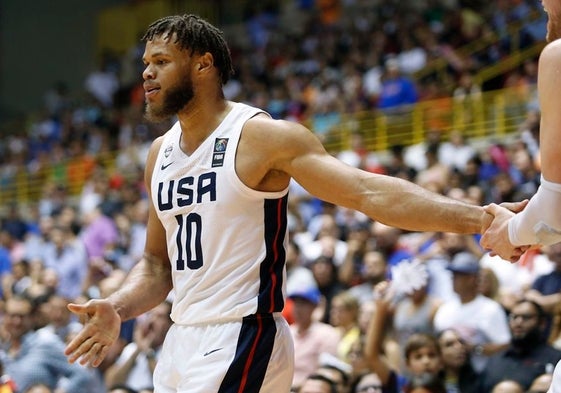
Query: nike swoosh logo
209,352
165,166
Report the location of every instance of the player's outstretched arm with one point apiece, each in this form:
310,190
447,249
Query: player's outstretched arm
392,201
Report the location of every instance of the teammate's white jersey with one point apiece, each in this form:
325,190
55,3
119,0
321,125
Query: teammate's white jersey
226,242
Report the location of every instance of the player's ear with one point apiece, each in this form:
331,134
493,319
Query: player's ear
205,62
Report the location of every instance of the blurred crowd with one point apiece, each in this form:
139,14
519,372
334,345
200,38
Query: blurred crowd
372,308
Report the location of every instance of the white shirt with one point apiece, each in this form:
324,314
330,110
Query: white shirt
480,321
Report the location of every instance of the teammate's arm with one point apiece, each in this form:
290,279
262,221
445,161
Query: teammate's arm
538,223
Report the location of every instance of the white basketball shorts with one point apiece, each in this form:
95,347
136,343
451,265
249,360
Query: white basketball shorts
251,355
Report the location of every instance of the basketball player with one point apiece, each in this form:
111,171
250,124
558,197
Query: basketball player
540,222
217,226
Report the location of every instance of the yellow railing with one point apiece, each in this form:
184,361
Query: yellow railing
439,66
509,63
494,114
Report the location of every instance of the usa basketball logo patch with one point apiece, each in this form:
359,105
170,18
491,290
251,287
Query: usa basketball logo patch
220,145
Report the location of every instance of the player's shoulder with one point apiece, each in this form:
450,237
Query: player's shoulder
156,144
551,53
263,126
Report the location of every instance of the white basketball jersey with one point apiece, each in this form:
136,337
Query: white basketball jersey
226,242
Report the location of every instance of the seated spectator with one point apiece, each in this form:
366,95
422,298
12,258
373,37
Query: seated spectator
66,255
398,91
33,357
343,316
373,270
422,355
528,354
414,311
456,152
458,373
325,274
480,320
546,289
311,337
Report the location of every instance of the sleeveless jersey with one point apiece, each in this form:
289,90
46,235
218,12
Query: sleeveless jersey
226,241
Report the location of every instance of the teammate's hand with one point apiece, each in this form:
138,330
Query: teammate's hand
101,328
495,238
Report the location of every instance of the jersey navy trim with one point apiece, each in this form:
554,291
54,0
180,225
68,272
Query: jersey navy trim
255,346
271,271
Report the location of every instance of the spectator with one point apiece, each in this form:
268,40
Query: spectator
344,317
458,372
456,152
66,255
481,321
32,357
353,270
358,154
103,83
414,311
528,355
311,337
373,270
387,240
325,274
436,175
398,92
61,322
421,352
546,289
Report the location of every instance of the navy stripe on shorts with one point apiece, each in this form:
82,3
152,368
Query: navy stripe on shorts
255,345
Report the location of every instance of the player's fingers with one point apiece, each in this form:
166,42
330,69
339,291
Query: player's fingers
79,345
492,208
515,207
102,353
91,355
78,308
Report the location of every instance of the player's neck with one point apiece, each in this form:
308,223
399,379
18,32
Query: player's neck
199,119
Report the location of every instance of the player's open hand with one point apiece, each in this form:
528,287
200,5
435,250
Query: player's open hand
101,328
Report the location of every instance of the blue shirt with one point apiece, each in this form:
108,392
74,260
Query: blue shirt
41,359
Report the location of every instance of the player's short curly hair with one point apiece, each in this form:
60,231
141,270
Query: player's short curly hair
197,35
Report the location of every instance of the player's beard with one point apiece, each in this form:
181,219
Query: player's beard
553,27
175,99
